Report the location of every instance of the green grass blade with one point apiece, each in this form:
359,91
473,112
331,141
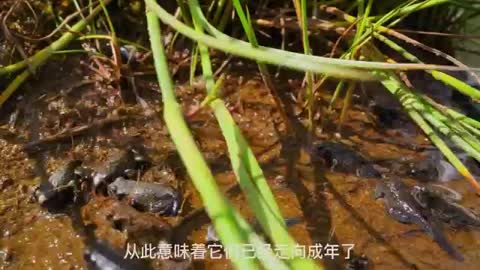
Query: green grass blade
459,85
309,76
248,172
265,254
394,85
266,77
219,210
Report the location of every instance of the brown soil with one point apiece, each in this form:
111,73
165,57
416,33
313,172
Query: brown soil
336,208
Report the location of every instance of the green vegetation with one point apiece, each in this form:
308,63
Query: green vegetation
367,33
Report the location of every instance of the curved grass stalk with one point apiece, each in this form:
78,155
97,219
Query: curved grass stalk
461,86
43,55
256,189
334,67
247,170
219,210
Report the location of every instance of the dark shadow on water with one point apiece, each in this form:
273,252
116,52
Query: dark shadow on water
374,233
313,204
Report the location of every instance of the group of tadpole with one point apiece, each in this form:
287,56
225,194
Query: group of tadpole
117,178
424,204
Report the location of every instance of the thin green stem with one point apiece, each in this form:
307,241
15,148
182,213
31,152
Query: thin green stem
222,214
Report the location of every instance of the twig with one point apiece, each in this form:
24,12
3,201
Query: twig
9,36
430,49
59,27
460,36
76,131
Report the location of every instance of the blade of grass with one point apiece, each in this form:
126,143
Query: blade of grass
217,207
346,103
420,115
248,172
303,18
117,59
461,86
416,7
266,77
336,93
445,78
184,12
363,13
265,254
395,87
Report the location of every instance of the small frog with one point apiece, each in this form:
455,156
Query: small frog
444,208
403,207
340,157
59,186
151,197
120,164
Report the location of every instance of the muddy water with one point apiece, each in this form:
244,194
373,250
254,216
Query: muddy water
335,208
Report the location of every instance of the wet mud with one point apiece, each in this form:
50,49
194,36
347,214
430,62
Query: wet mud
50,122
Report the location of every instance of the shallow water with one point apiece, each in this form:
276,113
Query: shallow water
337,209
